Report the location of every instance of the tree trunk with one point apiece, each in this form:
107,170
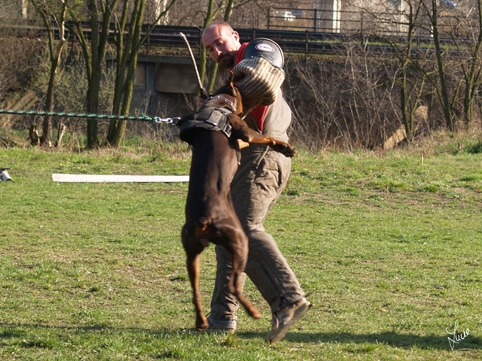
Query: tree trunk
94,51
447,106
55,54
127,55
473,73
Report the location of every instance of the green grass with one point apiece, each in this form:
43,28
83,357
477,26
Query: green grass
388,247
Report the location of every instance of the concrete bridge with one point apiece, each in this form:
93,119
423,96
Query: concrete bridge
165,86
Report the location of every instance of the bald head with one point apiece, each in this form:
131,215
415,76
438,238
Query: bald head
221,42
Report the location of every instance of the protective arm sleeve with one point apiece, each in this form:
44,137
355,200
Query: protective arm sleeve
258,81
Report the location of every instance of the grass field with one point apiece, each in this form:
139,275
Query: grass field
387,244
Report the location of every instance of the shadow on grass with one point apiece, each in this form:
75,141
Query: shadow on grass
391,339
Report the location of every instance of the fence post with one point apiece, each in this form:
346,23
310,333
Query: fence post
315,16
268,18
361,26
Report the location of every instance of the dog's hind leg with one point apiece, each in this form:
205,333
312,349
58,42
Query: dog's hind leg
237,281
237,250
193,250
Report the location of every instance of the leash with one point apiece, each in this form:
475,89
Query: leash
146,118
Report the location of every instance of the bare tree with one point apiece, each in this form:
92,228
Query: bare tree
100,14
442,85
471,65
409,78
368,95
52,16
127,50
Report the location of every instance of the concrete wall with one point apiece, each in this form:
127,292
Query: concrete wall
164,85
328,15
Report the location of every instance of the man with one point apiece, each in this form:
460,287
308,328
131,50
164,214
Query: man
260,179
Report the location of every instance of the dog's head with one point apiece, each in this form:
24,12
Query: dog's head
229,95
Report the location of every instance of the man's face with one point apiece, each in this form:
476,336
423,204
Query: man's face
221,44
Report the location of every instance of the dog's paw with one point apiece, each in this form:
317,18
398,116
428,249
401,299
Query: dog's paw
285,149
202,325
289,151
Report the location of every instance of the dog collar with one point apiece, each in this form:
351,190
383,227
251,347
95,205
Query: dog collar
213,119
231,104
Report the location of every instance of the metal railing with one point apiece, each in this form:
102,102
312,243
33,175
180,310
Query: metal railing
296,37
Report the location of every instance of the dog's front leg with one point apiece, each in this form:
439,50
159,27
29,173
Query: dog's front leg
280,146
241,131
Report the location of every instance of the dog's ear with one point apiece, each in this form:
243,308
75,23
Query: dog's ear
239,101
234,91
230,83
230,78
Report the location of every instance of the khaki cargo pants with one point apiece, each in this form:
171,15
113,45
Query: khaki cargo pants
259,181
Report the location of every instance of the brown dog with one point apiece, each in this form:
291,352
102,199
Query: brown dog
213,133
